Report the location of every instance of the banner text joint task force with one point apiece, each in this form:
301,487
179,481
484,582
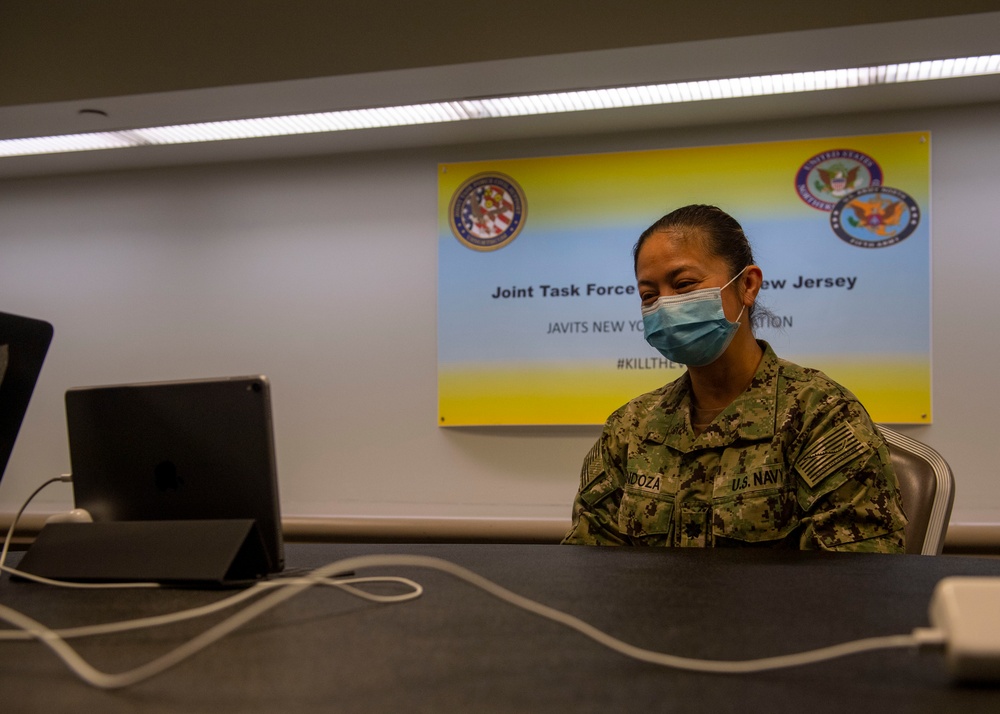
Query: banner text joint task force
843,282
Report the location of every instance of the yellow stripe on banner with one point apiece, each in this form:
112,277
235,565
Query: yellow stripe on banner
540,394
895,391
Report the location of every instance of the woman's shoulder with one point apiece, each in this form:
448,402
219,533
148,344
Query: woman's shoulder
656,403
809,380
817,398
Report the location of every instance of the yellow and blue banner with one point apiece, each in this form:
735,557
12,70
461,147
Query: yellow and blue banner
539,320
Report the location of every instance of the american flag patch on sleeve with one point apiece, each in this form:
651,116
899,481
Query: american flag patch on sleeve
830,452
593,465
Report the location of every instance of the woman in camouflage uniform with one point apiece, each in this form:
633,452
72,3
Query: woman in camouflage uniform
745,448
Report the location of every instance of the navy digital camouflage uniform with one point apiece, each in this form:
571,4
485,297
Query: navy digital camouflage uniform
793,462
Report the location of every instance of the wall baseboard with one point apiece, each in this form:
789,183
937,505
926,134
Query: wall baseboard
962,538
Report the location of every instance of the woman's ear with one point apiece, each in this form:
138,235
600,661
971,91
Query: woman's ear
751,282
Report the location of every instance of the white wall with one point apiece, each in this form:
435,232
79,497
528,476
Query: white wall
321,273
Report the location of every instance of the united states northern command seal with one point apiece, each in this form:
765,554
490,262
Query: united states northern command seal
488,211
875,217
830,175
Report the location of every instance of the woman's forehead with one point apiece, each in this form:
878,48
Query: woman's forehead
676,245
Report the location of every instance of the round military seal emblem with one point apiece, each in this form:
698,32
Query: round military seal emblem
875,217
488,211
830,175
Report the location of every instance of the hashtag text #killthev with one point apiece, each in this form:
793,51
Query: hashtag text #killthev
647,363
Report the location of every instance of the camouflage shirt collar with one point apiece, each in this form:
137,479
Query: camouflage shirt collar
750,417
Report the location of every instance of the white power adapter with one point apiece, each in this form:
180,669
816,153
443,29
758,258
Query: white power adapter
77,515
967,611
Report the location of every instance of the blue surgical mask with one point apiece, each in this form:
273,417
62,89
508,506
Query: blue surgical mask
692,328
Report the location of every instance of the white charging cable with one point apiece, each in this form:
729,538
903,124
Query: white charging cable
285,591
280,590
65,478
345,584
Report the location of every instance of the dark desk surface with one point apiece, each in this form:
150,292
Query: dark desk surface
457,649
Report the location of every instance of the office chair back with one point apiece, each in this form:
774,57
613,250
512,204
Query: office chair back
928,491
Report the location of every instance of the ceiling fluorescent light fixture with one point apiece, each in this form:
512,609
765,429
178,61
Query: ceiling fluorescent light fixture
513,106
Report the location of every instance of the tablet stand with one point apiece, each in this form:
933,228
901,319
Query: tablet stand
187,552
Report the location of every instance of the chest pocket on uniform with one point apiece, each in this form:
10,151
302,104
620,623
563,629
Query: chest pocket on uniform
754,496
646,516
